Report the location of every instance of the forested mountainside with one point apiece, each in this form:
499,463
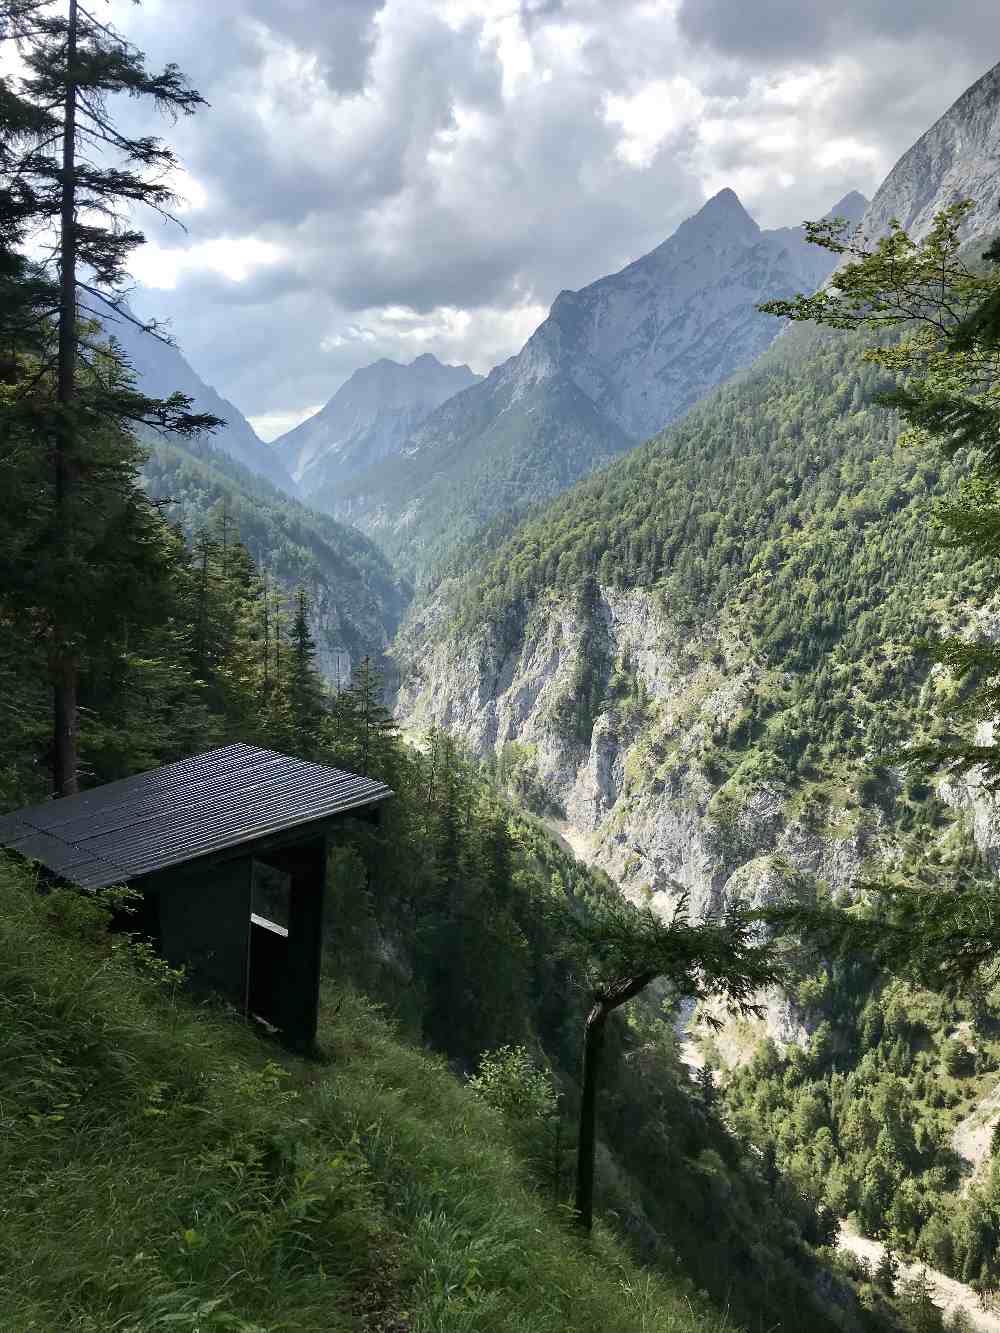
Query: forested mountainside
368,419
706,621
356,600
697,659
611,365
161,369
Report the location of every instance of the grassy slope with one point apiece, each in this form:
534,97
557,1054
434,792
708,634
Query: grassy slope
163,1169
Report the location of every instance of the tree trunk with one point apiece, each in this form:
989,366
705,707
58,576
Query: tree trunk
593,1047
617,993
65,668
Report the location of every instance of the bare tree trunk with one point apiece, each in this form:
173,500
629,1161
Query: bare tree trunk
593,1048
617,993
64,664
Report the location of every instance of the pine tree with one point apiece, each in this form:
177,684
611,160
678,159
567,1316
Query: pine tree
304,685
707,1090
887,1271
363,730
74,63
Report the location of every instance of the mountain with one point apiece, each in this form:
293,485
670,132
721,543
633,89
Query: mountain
162,370
957,158
369,418
610,366
697,664
356,599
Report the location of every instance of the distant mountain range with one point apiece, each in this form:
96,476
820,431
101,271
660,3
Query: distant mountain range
369,418
356,597
163,370
611,365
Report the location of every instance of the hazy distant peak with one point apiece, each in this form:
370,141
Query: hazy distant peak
852,207
723,212
369,417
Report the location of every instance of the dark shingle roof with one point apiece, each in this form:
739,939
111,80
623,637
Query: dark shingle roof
200,805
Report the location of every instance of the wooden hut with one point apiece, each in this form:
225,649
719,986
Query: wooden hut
229,851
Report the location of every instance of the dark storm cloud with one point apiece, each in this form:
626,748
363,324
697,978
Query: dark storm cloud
770,32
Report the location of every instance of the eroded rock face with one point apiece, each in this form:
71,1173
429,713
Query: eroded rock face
637,785
636,793
958,158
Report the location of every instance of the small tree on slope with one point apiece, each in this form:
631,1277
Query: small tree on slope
627,949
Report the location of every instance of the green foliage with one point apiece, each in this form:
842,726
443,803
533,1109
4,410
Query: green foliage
356,598
509,1080
163,1170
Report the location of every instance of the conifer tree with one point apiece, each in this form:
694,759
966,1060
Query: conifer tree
364,731
304,685
78,175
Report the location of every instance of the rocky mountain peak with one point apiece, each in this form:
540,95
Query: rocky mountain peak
721,218
957,158
852,207
369,417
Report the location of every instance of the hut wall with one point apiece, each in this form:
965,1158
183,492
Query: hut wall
204,923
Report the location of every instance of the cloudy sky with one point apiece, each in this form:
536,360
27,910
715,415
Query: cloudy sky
391,177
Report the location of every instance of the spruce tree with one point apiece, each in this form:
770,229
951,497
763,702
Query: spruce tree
77,175
304,685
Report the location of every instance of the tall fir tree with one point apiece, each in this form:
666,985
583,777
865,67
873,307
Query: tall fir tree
304,684
78,175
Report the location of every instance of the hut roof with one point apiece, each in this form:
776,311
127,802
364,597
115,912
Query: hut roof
177,813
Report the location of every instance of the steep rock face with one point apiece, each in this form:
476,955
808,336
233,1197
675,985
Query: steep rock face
162,370
647,342
637,790
610,366
636,786
368,419
958,158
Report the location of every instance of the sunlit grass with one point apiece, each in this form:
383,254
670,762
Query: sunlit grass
164,1169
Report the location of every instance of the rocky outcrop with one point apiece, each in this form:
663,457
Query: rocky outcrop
639,785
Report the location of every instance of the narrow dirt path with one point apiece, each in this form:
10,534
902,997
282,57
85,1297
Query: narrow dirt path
947,1292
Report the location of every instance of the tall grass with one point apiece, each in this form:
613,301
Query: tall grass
164,1169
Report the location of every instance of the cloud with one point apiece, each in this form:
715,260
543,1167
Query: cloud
385,177
773,32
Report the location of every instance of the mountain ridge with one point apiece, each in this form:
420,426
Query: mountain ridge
638,348
369,418
162,369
